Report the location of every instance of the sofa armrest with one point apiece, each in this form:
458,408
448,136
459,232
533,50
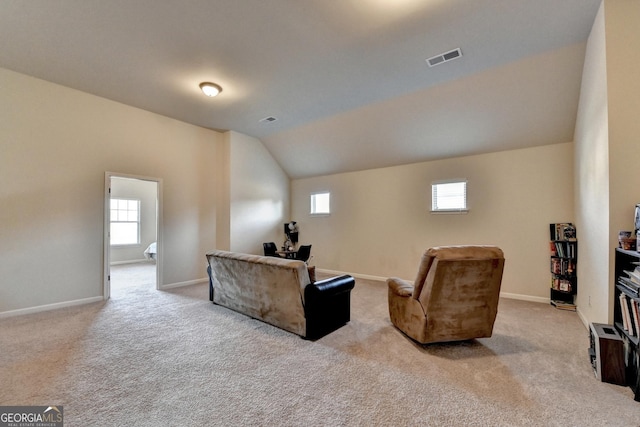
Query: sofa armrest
329,287
400,287
327,305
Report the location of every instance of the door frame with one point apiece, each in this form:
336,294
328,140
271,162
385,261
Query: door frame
106,293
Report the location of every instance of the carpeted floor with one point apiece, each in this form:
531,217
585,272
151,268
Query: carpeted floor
124,276
171,358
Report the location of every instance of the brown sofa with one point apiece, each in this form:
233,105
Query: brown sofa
279,291
454,297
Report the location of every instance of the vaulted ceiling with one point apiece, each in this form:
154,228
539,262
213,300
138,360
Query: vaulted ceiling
346,80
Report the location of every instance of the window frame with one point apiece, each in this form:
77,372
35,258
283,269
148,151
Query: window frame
313,204
458,210
137,221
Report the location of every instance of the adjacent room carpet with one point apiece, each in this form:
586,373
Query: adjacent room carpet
169,358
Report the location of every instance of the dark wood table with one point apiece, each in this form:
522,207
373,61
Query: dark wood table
287,254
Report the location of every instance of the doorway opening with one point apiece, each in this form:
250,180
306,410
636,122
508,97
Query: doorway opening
132,233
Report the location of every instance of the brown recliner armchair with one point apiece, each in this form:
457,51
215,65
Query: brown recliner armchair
454,297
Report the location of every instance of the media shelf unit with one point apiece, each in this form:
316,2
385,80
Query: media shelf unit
625,261
563,246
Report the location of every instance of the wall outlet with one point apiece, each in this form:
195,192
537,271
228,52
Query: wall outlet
589,300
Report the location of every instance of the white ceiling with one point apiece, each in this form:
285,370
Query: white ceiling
346,79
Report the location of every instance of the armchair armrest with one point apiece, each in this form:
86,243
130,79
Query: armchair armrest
400,287
329,287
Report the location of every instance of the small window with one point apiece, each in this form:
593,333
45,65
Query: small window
449,196
320,204
125,222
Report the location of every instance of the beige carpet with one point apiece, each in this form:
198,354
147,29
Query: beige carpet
132,275
171,358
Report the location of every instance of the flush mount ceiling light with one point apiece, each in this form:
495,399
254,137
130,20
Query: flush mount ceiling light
210,89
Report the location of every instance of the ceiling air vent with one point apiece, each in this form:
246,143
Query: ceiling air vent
268,119
444,57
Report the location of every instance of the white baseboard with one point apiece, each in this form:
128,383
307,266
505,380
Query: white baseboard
384,279
55,306
187,283
131,261
521,297
49,307
583,319
356,275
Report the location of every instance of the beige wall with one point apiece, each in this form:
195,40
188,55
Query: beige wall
55,146
592,181
623,90
223,186
607,154
259,195
225,191
380,222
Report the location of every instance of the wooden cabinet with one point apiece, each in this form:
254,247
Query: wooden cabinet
626,317
607,354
